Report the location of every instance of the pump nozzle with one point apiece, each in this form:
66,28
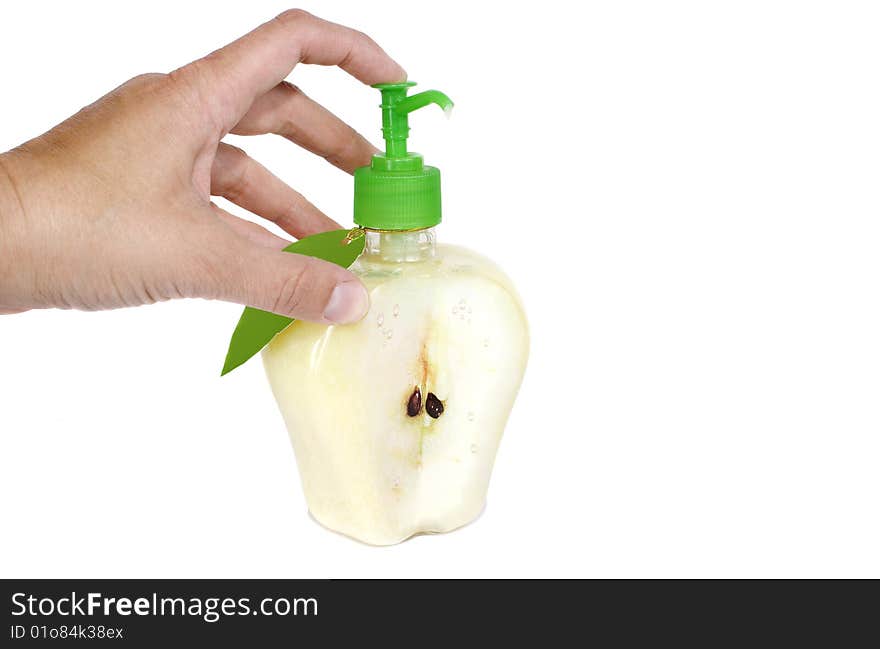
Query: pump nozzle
396,107
414,102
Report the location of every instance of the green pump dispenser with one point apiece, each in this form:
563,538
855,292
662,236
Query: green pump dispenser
397,191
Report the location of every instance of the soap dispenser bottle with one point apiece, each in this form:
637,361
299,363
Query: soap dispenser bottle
396,420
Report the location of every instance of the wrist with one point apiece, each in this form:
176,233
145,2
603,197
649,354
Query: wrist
13,271
10,199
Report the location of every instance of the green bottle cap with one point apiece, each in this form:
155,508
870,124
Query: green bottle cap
397,191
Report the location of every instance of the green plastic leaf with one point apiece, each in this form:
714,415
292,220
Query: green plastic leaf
257,328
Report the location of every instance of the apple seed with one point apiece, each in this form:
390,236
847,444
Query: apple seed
414,405
433,405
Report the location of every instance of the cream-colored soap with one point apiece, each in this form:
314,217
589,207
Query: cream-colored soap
442,320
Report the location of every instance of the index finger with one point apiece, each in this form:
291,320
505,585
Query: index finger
252,65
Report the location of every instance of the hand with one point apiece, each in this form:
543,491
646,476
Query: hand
113,207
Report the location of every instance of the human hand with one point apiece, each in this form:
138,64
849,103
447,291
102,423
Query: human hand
113,207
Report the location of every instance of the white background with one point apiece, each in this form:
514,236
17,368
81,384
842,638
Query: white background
686,194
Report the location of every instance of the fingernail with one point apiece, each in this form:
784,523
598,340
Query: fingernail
348,302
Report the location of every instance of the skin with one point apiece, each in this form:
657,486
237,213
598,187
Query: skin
112,207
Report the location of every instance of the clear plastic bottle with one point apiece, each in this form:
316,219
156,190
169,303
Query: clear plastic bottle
395,421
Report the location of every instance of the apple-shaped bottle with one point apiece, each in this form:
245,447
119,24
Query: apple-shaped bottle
395,420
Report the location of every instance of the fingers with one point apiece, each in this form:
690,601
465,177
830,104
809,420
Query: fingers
292,285
250,231
258,61
286,110
239,178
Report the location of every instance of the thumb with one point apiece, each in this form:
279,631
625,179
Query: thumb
293,285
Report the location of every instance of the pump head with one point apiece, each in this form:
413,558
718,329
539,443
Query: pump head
397,191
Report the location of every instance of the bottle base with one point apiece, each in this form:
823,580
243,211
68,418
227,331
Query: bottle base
426,532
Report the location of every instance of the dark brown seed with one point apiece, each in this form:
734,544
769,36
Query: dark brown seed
414,405
433,405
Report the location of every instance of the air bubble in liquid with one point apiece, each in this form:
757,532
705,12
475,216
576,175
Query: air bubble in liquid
473,448
396,311
380,319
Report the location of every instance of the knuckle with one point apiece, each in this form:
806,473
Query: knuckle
192,84
294,16
236,152
147,79
345,148
189,80
296,288
238,180
142,86
184,77
144,96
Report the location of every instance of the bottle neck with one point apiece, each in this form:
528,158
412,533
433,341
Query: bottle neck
396,247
